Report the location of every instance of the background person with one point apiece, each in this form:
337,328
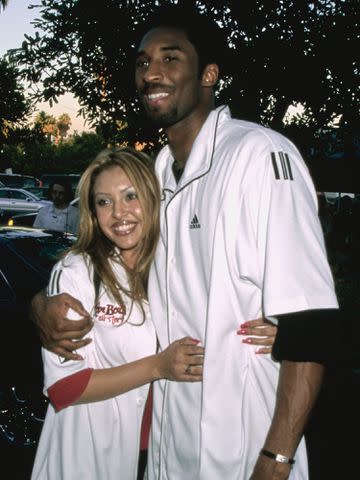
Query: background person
92,426
60,215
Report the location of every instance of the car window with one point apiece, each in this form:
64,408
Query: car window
19,195
4,194
29,182
19,181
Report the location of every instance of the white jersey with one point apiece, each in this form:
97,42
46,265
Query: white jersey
58,219
98,440
240,238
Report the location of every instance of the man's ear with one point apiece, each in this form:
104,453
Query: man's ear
210,75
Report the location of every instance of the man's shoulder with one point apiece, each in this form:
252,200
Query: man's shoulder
45,209
245,130
241,129
73,209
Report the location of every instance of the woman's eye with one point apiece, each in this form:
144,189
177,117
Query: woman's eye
131,196
102,202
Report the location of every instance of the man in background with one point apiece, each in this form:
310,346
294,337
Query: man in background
59,215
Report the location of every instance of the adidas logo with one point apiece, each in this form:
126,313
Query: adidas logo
194,222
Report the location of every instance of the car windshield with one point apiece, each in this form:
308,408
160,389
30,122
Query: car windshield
26,258
41,251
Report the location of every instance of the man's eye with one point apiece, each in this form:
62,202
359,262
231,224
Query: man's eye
169,58
141,63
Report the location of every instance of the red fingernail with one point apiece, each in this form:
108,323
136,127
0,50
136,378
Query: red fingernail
245,324
247,340
195,340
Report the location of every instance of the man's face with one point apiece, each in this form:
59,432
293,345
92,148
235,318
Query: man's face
58,196
167,76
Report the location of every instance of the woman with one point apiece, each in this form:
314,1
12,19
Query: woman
92,426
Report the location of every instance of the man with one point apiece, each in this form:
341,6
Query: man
60,215
240,238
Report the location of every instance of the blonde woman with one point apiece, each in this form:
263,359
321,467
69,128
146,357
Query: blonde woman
92,426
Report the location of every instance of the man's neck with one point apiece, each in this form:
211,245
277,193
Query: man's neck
60,207
182,136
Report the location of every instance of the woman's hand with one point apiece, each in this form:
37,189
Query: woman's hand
182,361
259,332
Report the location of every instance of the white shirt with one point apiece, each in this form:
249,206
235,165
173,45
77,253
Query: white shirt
61,220
240,238
98,440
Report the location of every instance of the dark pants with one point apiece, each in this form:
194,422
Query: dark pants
142,464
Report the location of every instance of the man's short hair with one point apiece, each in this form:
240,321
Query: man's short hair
69,194
208,39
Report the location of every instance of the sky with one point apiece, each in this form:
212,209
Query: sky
15,21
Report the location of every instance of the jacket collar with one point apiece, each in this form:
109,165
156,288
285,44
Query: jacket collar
201,155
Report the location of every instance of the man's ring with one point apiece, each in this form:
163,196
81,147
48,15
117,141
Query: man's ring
187,371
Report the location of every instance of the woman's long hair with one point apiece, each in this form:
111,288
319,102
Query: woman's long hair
139,168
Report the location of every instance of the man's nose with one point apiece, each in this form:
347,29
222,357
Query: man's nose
154,72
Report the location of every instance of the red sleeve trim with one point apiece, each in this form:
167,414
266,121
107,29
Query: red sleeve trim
65,391
146,422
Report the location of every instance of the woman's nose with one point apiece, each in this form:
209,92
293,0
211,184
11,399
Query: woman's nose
119,208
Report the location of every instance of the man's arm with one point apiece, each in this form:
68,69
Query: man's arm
57,333
305,343
298,388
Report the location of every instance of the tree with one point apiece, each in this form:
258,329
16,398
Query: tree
30,152
280,53
63,124
14,107
47,124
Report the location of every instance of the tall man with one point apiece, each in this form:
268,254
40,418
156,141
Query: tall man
240,238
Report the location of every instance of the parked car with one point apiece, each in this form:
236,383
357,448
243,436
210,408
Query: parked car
19,200
22,219
26,258
40,192
27,219
19,181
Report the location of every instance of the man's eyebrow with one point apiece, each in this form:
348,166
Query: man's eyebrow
163,49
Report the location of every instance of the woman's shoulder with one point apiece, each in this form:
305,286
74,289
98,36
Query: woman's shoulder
74,261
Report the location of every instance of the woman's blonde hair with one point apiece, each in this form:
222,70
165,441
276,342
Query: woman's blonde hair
139,168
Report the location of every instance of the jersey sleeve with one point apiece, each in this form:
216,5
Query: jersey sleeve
302,337
294,271
70,275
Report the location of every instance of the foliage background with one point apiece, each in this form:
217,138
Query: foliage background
280,53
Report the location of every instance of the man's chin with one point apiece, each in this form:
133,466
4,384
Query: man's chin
161,120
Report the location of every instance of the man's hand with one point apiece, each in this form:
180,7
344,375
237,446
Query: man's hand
57,333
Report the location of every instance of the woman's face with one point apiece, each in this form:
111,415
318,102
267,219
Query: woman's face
119,212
